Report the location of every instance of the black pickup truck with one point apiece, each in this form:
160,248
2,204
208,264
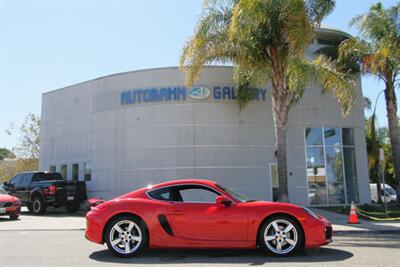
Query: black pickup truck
38,190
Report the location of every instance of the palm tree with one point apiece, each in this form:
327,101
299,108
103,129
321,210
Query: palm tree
265,40
377,49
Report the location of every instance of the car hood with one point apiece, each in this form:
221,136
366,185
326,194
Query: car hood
7,198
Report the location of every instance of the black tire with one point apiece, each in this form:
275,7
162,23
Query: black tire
72,206
139,230
280,245
38,206
14,216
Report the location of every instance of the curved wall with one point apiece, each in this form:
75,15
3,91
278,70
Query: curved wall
142,127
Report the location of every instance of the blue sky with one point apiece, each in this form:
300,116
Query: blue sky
45,45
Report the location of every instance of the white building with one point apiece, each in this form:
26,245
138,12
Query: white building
125,131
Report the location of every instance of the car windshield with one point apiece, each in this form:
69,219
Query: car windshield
2,191
234,194
390,190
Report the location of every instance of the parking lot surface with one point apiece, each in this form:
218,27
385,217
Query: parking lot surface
57,239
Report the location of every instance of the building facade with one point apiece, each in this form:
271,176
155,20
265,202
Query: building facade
126,131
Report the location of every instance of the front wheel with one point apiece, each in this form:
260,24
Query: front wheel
126,236
281,236
14,216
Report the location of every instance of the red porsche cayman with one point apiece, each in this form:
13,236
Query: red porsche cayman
202,214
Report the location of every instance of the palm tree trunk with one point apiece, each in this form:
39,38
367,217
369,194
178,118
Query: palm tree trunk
394,133
281,102
282,164
375,152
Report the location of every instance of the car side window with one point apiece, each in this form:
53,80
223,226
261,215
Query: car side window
25,180
15,181
165,194
198,194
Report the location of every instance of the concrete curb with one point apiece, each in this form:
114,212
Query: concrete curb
365,232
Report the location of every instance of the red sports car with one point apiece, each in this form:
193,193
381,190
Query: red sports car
9,205
202,214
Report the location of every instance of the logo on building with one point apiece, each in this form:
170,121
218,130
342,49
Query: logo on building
199,92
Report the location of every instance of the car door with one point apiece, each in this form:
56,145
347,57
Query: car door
196,216
11,186
23,187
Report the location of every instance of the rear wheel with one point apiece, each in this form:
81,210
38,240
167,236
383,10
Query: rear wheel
281,236
126,236
38,206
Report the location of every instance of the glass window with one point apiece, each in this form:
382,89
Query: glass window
334,174
3,192
63,170
331,169
200,195
316,175
45,176
350,171
87,170
348,136
165,194
315,157
25,180
75,172
14,181
52,168
332,136
314,136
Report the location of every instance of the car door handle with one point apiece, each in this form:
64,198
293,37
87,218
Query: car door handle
177,212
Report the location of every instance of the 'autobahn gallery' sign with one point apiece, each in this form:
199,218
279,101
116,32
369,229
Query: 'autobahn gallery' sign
178,93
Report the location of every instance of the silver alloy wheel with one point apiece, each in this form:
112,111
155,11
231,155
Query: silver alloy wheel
125,237
36,205
280,236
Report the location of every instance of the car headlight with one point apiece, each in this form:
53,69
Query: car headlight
313,214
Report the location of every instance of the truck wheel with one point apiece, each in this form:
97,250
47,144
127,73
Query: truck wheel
72,206
38,206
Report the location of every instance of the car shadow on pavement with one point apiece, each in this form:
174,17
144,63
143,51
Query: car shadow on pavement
251,257
7,219
56,213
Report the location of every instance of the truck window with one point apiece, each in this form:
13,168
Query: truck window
45,176
25,180
15,181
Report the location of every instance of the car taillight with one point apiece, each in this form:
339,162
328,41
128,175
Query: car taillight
101,206
51,190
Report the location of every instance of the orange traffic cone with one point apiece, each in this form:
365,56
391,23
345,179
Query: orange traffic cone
353,218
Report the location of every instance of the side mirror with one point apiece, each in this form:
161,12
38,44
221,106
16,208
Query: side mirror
223,200
5,183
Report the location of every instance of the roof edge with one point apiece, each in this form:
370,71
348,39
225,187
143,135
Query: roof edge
126,72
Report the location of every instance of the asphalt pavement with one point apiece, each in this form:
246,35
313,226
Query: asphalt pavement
57,239
69,248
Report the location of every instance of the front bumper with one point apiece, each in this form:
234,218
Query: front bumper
12,210
320,233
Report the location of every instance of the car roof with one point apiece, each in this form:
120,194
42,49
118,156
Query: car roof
184,181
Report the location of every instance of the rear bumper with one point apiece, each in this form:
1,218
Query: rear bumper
94,230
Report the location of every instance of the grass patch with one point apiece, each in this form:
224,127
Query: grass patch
378,210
